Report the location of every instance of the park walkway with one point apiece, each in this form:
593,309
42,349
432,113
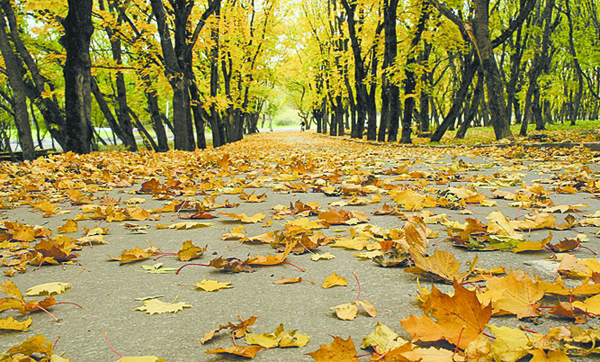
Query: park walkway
358,204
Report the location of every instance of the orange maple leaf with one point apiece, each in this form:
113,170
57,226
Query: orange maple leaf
458,319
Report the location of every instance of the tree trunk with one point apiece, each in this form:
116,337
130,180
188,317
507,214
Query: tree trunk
182,117
15,80
459,100
36,84
538,67
493,81
362,96
77,72
579,72
122,108
390,93
472,111
410,82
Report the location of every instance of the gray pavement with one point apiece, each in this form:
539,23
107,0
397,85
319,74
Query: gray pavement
108,291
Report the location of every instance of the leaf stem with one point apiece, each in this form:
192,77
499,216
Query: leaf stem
55,343
359,287
44,310
295,266
75,304
188,264
458,341
110,346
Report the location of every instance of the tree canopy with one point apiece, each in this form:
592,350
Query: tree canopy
382,69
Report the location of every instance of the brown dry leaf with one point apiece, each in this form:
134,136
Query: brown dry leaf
458,319
337,351
243,351
441,266
271,259
237,330
34,345
57,249
334,280
135,254
233,265
190,251
256,218
69,227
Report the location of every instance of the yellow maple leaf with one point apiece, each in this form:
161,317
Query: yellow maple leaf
334,280
155,306
55,288
213,285
11,324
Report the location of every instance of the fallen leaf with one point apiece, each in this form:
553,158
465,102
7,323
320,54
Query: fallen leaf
190,251
69,227
288,281
243,351
458,319
324,256
334,280
338,350
155,306
55,288
189,225
213,285
10,324
256,218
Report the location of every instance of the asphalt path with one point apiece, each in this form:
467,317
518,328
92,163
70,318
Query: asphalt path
108,291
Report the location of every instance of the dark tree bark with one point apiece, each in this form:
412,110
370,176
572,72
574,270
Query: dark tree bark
110,118
36,84
122,109
459,99
410,81
215,119
15,79
362,96
493,80
178,67
77,72
426,82
539,65
390,92
576,104
472,110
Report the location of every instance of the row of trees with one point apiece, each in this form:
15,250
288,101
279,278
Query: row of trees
389,66
126,63
380,67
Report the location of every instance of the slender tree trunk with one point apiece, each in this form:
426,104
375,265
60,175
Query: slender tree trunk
77,72
362,96
579,72
473,108
459,99
122,108
410,82
493,81
538,67
15,80
390,93
36,84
